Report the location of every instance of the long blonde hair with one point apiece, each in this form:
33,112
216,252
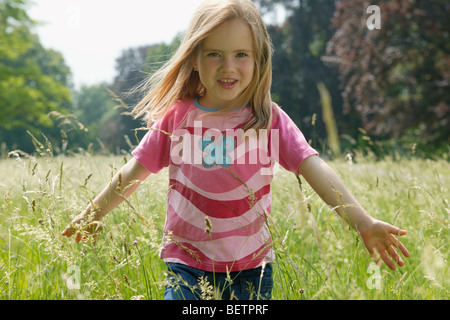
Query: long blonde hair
177,80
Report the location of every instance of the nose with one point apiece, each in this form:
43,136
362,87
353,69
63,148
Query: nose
227,65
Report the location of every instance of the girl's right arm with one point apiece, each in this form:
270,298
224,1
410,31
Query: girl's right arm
123,184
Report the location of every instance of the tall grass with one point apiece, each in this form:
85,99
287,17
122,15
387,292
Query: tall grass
317,256
328,261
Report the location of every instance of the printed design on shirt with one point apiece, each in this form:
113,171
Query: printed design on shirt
216,150
211,147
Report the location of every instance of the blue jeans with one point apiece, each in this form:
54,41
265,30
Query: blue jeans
188,283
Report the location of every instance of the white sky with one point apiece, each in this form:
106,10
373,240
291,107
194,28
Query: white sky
91,34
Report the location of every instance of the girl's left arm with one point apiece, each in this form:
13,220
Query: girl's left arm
379,237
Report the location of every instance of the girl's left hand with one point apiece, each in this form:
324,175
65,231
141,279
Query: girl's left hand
380,239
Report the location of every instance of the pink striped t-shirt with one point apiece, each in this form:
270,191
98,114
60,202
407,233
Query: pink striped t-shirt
219,193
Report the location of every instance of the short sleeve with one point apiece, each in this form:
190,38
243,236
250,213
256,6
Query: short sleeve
153,151
288,145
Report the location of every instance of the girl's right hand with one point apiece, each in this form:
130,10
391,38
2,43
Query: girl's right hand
122,185
82,225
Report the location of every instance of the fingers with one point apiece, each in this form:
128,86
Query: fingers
387,261
381,256
396,231
68,232
78,237
399,245
393,241
386,255
83,234
398,260
383,245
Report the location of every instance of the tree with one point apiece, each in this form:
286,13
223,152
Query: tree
396,78
92,107
33,80
14,26
299,43
133,67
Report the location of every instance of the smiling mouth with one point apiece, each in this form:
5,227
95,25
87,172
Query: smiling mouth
227,83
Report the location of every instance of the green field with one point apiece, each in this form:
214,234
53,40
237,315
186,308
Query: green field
317,256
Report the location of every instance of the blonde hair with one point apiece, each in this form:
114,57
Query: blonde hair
177,80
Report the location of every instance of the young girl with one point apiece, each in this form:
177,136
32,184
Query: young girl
212,122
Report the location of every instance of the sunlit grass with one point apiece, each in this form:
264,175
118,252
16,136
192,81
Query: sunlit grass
317,256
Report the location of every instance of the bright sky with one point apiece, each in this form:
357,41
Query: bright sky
91,34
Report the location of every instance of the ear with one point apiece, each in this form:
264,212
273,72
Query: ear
194,59
194,62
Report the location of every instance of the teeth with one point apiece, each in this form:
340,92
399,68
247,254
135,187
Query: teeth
228,80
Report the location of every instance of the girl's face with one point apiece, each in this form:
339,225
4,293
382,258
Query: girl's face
226,63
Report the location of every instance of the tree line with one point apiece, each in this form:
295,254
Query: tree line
388,87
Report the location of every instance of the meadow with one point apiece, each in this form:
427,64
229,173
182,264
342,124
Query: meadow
317,256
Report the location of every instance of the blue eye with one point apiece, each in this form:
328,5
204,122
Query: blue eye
242,55
213,54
